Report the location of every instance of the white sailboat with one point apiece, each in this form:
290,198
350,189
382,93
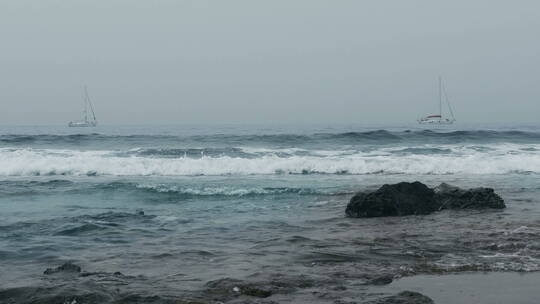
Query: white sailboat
87,121
438,119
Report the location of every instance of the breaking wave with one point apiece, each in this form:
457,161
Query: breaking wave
233,191
177,190
462,160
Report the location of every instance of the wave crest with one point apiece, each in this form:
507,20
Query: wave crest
28,162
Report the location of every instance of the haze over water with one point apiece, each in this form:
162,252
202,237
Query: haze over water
232,134
306,61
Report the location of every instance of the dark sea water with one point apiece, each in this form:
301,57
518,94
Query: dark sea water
158,214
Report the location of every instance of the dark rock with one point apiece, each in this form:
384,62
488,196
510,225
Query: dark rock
341,301
223,286
450,197
405,297
393,200
65,268
381,280
255,291
140,299
229,286
104,274
416,198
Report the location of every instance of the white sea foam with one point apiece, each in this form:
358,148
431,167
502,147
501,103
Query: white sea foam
456,149
292,151
501,160
254,150
211,191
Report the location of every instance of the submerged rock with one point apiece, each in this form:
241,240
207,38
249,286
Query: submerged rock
405,297
381,280
55,295
228,288
416,198
393,200
451,197
64,268
232,287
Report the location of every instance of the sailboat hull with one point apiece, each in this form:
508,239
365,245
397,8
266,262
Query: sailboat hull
81,124
435,122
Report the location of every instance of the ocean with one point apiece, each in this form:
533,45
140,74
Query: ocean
157,214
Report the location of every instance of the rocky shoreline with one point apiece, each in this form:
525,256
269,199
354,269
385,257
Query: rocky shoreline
332,279
72,285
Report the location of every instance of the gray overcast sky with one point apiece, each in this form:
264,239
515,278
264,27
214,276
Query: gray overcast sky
251,61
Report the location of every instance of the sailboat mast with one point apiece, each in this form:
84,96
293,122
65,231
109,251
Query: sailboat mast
448,103
85,111
90,104
440,96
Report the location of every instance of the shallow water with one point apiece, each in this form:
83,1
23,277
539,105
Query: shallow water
173,208
480,288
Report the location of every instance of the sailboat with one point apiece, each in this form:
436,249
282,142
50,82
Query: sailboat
87,121
438,118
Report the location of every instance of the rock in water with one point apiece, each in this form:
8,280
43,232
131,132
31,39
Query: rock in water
65,268
405,297
393,200
416,198
381,280
450,197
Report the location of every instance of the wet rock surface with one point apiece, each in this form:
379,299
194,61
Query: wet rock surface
64,268
405,297
228,288
451,197
416,199
381,280
393,200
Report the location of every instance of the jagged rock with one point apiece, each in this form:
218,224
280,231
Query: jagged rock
416,198
393,200
451,197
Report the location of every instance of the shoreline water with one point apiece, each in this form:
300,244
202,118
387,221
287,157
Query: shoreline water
194,214
479,288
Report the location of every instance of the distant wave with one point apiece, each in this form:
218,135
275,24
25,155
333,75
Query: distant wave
177,190
494,159
186,152
480,135
371,137
25,187
368,135
24,139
